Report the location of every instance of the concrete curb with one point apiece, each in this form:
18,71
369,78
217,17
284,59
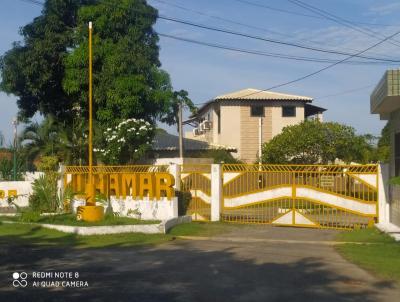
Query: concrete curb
161,228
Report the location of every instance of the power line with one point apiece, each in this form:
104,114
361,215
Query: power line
325,68
344,92
300,14
269,40
266,54
240,23
338,20
358,54
220,18
325,96
231,32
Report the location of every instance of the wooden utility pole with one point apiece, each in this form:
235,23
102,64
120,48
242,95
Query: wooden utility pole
180,130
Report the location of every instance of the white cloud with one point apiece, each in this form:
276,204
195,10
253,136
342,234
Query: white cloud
385,9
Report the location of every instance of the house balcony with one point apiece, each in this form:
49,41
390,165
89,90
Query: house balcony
386,96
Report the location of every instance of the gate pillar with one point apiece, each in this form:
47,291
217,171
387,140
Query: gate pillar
216,192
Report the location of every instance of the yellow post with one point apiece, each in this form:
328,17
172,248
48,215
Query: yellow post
90,201
90,212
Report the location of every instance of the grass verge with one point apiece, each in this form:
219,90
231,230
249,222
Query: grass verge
31,234
70,219
381,258
204,229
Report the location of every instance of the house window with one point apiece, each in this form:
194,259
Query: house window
288,111
257,110
397,154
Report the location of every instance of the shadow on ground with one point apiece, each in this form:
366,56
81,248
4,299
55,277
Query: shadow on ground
177,271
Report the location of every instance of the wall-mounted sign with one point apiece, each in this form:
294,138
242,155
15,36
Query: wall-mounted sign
151,185
18,189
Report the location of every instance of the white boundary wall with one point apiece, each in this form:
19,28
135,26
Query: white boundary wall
148,209
22,188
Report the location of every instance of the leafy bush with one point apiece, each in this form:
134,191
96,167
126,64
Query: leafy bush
67,198
7,169
48,164
312,142
126,142
45,191
45,196
30,216
184,199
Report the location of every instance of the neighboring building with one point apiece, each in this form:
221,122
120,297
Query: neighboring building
248,118
385,101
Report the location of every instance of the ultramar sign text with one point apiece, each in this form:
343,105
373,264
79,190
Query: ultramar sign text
122,185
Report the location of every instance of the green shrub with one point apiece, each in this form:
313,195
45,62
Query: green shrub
7,169
184,199
45,196
30,216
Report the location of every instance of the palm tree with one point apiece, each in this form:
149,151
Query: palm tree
49,138
40,139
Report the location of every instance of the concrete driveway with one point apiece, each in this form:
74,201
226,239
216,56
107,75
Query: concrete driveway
248,264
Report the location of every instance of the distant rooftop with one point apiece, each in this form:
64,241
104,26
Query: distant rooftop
168,142
257,94
250,94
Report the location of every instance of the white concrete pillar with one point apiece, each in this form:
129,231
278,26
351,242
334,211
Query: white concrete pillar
383,193
175,170
216,192
60,182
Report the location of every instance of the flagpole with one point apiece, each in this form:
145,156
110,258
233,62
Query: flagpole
91,199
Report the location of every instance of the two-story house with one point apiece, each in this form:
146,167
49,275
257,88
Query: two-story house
248,118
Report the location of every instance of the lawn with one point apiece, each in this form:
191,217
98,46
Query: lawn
70,219
203,229
31,234
381,257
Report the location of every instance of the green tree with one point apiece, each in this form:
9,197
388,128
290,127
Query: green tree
50,138
170,116
313,142
40,139
48,70
128,81
383,148
33,70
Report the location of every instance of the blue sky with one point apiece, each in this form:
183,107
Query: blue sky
207,72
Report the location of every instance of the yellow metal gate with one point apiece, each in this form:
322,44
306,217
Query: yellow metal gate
196,181
321,196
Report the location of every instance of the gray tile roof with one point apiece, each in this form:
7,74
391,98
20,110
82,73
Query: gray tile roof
168,142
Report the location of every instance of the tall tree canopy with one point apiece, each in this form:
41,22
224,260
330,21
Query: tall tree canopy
127,79
313,142
48,70
383,150
34,69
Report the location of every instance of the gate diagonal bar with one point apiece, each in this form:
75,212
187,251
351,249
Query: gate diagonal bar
318,196
196,181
